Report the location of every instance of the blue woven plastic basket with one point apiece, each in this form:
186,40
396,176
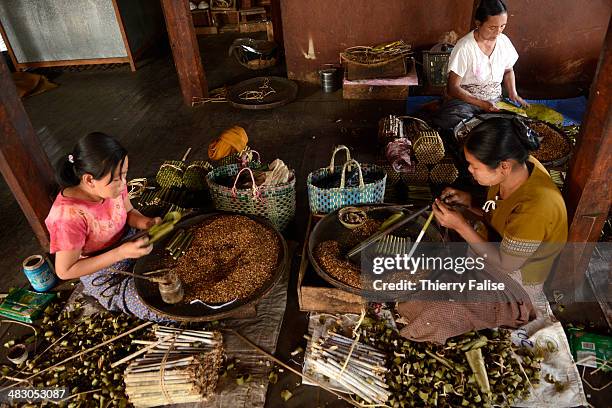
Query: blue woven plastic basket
326,200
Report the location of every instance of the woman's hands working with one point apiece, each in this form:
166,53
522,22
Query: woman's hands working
449,217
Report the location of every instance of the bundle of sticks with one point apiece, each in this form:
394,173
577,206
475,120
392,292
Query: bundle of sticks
179,243
179,366
359,369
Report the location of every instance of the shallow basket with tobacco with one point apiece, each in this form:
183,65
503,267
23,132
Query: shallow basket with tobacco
377,54
555,146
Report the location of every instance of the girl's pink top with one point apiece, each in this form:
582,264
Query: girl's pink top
79,224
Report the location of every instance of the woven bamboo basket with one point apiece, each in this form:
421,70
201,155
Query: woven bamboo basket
362,62
444,173
427,144
428,147
170,173
390,128
391,68
236,158
418,178
194,177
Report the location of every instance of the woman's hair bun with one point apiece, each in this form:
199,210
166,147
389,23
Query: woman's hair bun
527,136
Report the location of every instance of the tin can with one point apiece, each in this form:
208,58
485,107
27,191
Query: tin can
39,273
329,79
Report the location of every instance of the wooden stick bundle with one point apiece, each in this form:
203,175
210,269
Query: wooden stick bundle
358,368
181,366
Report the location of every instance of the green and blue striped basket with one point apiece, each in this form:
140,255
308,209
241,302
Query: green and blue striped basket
326,200
276,203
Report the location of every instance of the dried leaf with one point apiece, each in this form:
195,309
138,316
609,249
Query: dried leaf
286,395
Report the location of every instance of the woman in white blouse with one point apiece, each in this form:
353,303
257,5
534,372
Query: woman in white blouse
480,62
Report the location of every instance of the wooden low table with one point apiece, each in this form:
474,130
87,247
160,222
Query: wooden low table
387,88
317,295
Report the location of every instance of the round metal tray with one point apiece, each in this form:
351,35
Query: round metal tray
286,91
148,292
330,228
463,127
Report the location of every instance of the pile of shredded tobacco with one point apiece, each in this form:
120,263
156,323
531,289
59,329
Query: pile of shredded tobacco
229,258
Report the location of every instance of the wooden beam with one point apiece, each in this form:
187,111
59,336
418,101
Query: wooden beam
66,63
590,172
472,23
588,193
277,23
23,162
185,50
124,36
9,48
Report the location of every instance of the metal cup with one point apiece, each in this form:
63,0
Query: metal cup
329,79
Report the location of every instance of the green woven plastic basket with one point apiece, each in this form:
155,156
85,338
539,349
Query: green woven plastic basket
276,203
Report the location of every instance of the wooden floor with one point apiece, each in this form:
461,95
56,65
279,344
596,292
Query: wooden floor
145,111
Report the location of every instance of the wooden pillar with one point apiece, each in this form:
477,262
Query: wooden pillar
472,24
185,50
277,23
588,194
23,162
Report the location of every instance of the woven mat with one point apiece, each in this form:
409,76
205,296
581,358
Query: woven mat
263,330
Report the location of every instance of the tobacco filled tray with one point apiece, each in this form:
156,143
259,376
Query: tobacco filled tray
555,145
330,240
232,262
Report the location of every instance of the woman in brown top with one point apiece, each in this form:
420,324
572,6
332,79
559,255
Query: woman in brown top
524,208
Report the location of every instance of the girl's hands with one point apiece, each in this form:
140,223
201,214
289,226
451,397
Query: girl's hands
136,249
152,221
447,217
453,196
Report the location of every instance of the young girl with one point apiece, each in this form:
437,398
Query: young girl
91,213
